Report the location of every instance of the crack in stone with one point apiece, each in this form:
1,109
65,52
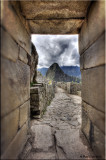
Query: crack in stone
59,147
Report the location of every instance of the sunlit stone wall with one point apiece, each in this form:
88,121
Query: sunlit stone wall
15,80
92,60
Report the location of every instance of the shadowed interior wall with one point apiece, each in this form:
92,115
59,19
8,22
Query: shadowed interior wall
92,60
15,80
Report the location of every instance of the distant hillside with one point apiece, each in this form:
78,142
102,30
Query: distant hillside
43,70
69,70
55,73
72,70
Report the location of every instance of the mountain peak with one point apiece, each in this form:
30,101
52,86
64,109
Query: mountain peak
54,65
56,73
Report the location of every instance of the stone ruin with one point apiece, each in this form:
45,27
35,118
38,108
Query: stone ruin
20,19
41,95
70,87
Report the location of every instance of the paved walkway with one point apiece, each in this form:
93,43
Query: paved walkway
57,135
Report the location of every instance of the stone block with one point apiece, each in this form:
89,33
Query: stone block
68,87
79,93
12,23
73,88
94,25
97,117
35,97
98,143
54,9
9,48
34,103
93,87
42,141
24,113
16,146
55,26
81,61
9,128
15,84
23,55
34,90
95,54
16,5
86,124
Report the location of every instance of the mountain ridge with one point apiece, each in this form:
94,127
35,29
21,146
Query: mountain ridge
69,70
55,73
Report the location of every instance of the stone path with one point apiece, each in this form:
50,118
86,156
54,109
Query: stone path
57,135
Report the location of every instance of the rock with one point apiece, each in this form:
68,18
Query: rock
71,144
55,73
43,141
60,153
33,64
42,155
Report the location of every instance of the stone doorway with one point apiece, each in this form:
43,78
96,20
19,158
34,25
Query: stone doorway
19,20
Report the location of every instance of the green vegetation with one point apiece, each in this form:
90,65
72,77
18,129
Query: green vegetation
32,84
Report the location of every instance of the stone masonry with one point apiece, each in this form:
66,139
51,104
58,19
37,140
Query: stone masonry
57,134
21,18
15,80
41,96
70,87
92,61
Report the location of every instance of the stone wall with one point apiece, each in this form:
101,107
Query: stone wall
70,87
41,95
33,65
92,60
15,80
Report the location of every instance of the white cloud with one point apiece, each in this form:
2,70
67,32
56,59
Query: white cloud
62,49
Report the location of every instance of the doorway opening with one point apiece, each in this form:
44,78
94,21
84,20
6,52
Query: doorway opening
56,99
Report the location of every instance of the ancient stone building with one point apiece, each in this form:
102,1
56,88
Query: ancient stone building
19,19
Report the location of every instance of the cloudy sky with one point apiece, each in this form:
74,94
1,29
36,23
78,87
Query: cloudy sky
61,49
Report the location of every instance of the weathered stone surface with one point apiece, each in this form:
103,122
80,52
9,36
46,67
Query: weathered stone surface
23,55
60,153
79,93
55,26
55,125
9,48
93,87
86,124
95,54
34,90
98,143
54,9
55,17
9,128
33,65
97,117
93,27
16,5
42,141
15,83
41,97
81,61
42,155
27,149
24,113
35,97
72,88
70,144
34,103
11,22
17,144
